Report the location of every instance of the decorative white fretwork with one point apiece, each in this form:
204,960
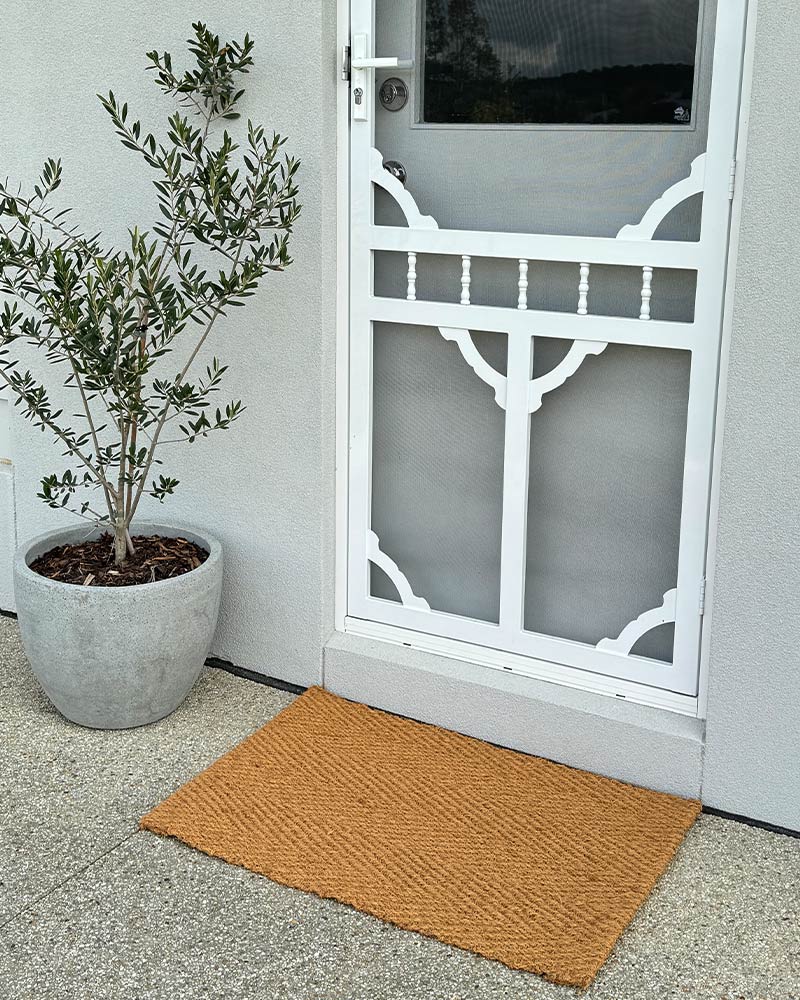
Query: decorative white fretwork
477,362
647,292
407,597
460,337
466,264
580,349
583,291
565,369
671,198
411,288
647,621
380,176
522,284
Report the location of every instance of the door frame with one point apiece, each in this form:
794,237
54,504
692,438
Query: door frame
745,94
459,649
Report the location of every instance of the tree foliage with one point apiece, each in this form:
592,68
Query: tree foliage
107,319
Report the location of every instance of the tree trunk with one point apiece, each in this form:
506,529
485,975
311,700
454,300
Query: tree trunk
120,544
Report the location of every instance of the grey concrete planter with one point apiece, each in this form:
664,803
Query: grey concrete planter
116,657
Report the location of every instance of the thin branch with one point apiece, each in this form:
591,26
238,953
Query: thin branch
71,446
209,326
107,491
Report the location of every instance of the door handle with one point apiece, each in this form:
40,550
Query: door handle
396,169
361,62
382,62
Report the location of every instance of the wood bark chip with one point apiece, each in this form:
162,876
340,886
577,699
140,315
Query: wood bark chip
91,564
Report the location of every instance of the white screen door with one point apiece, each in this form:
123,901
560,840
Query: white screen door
537,281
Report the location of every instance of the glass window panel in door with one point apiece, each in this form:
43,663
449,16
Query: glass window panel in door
577,62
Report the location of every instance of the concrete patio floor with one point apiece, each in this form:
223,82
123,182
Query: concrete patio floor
91,908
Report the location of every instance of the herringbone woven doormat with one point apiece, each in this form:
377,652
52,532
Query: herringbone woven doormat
538,865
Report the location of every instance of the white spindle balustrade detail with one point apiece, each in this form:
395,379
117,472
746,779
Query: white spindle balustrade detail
466,263
411,291
647,292
522,284
583,291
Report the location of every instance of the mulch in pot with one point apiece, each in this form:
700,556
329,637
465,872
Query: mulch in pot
91,564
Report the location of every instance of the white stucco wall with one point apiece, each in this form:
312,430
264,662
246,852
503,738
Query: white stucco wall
752,755
265,486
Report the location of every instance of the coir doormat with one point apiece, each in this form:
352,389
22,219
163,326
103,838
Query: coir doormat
532,863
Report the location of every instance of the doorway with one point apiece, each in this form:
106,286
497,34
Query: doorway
540,200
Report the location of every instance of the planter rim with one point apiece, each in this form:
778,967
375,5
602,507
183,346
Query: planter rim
198,535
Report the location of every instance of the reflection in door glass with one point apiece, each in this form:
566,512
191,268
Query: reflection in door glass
588,62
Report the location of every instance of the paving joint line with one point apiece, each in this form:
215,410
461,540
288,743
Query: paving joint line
70,878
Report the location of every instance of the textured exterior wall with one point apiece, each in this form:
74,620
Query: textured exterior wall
752,758
265,486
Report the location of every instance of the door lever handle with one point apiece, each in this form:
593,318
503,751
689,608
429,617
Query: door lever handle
382,62
363,85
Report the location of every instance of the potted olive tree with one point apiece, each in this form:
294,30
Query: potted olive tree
117,616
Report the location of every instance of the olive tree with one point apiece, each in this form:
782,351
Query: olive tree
107,319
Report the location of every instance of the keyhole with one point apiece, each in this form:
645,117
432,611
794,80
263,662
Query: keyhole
358,93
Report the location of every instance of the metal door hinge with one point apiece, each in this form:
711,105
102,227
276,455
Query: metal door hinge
702,602
346,63
732,182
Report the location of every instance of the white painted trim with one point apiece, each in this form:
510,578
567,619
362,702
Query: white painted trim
470,353
404,199
670,199
748,63
516,459
525,666
524,322
576,355
383,561
554,649
640,626
533,246
714,232
342,406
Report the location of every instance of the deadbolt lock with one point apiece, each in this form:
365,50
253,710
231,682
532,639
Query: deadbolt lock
393,94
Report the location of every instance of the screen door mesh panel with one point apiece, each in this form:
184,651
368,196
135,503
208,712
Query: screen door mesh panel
654,643
604,499
380,585
537,187
437,459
